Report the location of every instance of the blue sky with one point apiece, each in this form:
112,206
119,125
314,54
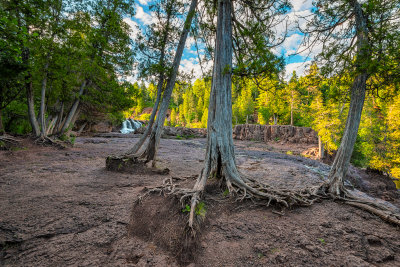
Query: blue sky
292,43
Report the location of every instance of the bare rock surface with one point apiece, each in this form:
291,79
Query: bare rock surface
63,208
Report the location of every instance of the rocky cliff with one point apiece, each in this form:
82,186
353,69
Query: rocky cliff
282,133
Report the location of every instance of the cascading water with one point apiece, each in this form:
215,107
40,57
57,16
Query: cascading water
130,126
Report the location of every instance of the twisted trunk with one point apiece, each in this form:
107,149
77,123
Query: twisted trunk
220,155
154,139
73,109
343,156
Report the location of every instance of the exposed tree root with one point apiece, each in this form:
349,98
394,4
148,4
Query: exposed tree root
133,164
385,212
382,212
260,193
9,139
264,195
7,142
46,141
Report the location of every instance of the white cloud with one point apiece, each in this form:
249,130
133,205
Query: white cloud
144,2
300,5
190,41
291,44
191,65
299,67
141,15
134,27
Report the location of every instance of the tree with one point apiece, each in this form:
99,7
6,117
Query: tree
154,136
220,156
348,28
154,139
12,39
74,55
155,44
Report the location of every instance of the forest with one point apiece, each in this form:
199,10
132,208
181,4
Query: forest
68,60
68,64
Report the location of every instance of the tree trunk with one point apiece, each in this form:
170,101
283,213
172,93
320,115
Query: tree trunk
151,149
58,125
343,156
321,151
220,155
160,86
291,109
1,123
31,108
73,109
51,125
146,133
82,128
72,123
43,103
275,119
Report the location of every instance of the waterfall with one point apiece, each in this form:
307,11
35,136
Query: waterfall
130,126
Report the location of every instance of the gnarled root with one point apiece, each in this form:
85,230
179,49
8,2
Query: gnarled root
8,141
46,141
379,210
336,190
242,189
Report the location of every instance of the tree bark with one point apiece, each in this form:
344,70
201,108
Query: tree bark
154,139
74,118
43,131
321,151
51,125
149,127
343,156
220,154
31,107
58,125
291,108
73,109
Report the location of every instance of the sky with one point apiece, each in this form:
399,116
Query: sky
189,63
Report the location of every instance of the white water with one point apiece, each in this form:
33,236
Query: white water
130,126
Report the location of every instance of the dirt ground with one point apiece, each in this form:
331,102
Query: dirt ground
62,208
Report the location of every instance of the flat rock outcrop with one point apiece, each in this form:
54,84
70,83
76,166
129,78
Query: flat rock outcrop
281,133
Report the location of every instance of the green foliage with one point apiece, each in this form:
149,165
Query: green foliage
186,208
144,117
65,44
225,193
199,211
